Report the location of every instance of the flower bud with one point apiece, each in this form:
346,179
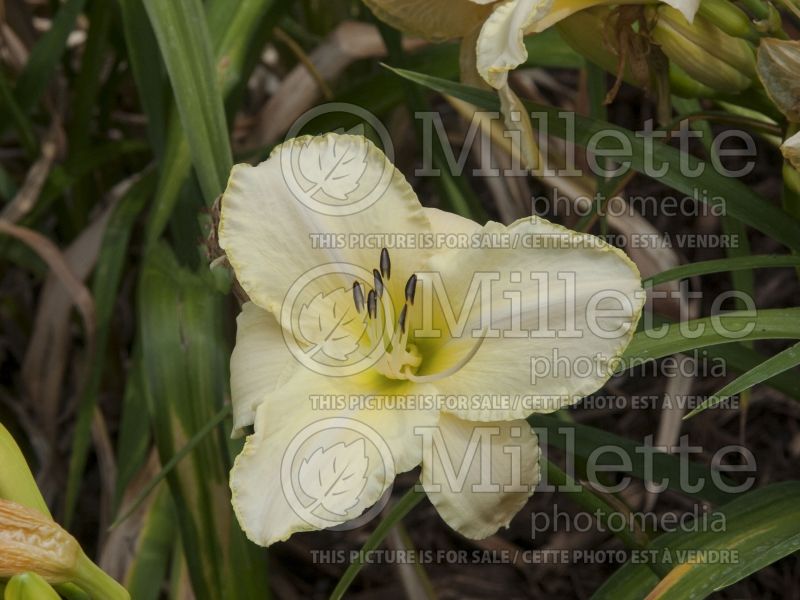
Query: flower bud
729,18
30,541
29,586
681,84
791,150
713,58
778,66
16,481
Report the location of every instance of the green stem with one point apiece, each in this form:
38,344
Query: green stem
95,582
411,498
634,540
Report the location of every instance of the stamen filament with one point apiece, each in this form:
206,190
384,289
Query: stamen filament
402,320
378,282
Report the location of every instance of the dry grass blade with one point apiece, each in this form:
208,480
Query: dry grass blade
119,549
50,253
66,279
300,89
47,355
108,468
25,199
43,357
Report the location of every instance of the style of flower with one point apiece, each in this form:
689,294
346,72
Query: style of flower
401,302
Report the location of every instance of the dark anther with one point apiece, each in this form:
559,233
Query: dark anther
372,304
386,264
411,289
402,320
358,296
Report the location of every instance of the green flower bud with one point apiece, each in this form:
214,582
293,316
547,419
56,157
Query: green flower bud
704,52
29,586
32,542
16,481
681,84
729,18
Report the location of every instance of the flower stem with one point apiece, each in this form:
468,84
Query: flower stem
399,510
95,582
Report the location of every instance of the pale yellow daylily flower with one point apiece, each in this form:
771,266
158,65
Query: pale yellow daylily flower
292,217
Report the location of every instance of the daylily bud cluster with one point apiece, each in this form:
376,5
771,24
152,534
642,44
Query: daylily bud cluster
705,52
35,551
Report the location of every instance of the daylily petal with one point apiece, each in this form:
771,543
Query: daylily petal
517,119
435,20
280,480
280,219
468,59
500,44
260,363
493,489
551,354
561,9
444,222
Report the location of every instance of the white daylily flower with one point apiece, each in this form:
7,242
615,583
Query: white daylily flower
268,231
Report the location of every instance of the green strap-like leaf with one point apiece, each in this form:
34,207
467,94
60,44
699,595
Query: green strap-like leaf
735,326
722,265
185,371
738,358
198,437
182,33
751,532
145,576
147,69
235,34
780,363
105,286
